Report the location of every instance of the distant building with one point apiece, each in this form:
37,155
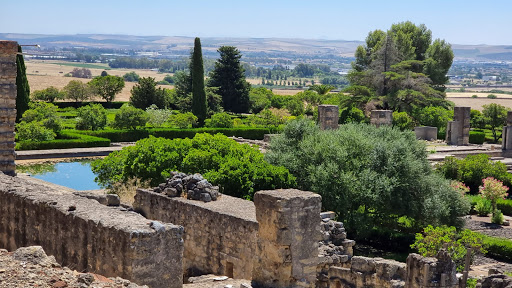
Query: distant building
490,78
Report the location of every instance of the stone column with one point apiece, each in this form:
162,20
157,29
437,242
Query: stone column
381,117
8,92
457,131
289,232
506,137
328,116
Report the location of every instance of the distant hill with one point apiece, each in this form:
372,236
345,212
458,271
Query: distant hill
277,46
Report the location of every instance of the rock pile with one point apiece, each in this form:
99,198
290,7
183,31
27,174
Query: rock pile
333,248
194,186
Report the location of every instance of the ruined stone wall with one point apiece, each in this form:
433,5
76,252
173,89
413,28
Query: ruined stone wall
381,117
328,116
8,92
88,236
220,236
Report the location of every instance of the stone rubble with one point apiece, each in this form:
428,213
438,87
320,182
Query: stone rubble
194,186
31,267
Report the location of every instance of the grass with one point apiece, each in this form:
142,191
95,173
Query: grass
85,65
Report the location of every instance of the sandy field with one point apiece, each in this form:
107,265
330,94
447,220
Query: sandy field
465,99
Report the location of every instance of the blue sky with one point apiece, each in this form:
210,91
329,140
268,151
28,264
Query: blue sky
458,22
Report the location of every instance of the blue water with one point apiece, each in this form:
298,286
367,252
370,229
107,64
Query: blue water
75,175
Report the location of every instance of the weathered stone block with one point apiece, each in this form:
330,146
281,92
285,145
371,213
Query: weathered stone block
381,117
426,133
328,116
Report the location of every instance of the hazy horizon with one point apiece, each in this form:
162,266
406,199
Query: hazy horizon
458,22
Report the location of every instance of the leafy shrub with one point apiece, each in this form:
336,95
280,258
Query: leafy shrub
295,106
49,94
46,113
219,120
472,169
131,77
260,99
351,115
483,207
492,96
497,217
81,73
477,119
476,137
240,170
182,120
33,131
498,248
66,139
169,79
435,117
474,96
91,117
130,117
432,239
403,121
278,101
157,117
493,190
368,175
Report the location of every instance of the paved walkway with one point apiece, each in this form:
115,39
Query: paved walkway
70,153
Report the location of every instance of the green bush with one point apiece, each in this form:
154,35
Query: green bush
46,113
432,239
476,137
91,117
33,131
472,169
219,120
435,117
369,176
403,121
66,139
182,120
157,117
130,117
239,170
497,217
483,207
498,248
492,96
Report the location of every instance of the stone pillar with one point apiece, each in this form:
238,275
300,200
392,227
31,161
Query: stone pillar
8,92
381,117
426,133
328,116
423,272
289,232
506,137
457,131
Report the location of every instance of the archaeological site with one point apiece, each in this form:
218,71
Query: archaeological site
184,229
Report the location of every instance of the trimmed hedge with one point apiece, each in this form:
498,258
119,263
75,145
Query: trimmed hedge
498,248
505,205
65,139
171,133
476,137
111,105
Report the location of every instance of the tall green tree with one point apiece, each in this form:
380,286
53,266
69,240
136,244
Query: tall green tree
145,93
199,105
228,75
77,90
23,89
496,117
107,86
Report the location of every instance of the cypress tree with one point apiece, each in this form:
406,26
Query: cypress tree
197,74
23,89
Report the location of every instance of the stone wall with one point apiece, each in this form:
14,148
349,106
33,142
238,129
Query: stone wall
220,236
457,131
426,133
88,236
381,117
328,116
8,92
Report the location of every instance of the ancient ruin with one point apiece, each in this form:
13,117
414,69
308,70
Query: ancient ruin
507,133
328,116
8,52
426,133
457,131
381,117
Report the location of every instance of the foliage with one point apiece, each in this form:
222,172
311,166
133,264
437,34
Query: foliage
435,117
145,93
107,86
369,176
498,248
91,117
67,139
351,115
131,77
81,73
432,240
265,118
472,169
497,217
477,119
49,94
483,207
45,114
493,190
459,187
77,90
321,89
496,117
182,97
228,75
239,170
199,105
157,117
220,120
260,98
492,96
295,106
403,121
476,137
33,131
130,117
169,79
22,86
182,120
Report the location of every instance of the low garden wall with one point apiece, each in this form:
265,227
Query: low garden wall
87,236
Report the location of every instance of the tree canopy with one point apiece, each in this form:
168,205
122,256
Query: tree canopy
228,75
403,68
199,105
23,89
77,90
145,93
107,86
